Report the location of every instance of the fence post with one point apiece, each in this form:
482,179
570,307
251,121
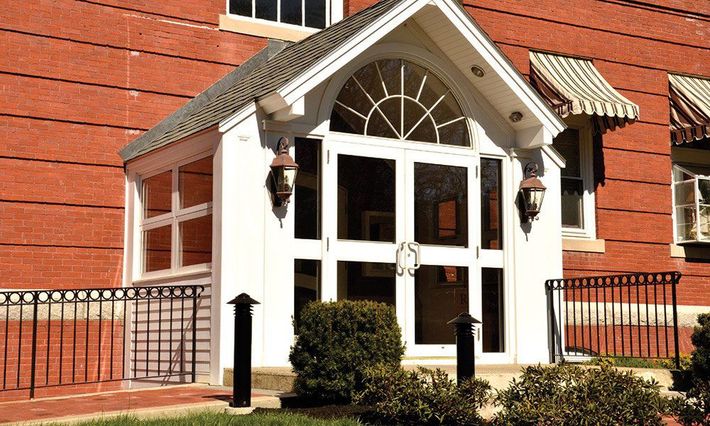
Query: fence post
674,281
34,345
241,376
551,318
465,349
194,333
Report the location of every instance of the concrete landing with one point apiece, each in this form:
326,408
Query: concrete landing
499,376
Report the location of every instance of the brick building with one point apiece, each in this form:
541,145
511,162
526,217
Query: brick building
83,79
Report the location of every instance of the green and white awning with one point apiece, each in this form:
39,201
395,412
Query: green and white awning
575,86
690,108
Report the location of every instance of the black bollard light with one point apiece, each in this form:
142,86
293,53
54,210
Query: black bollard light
465,351
241,380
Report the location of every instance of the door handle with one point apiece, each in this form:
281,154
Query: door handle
414,248
401,267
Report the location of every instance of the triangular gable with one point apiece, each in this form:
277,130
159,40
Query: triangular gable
287,77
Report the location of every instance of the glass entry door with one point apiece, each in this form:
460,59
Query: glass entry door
439,225
399,229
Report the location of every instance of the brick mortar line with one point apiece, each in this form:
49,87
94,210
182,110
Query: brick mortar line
616,148
2,244
633,211
48,160
608,31
616,179
83,123
55,203
656,8
110,46
86,83
112,6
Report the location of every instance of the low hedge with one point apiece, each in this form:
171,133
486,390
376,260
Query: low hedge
337,342
694,407
570,395
422,397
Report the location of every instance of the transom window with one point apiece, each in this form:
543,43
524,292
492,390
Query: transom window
304,13
394,98
691,195
176,219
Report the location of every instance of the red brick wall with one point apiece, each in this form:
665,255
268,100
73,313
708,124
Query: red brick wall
634,48
79,81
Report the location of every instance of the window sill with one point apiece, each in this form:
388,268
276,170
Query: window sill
268,29
173,276
690,252
582,245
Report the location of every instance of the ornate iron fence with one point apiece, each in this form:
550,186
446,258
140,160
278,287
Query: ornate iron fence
75,338
629,315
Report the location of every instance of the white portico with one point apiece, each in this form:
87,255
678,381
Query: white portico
410,167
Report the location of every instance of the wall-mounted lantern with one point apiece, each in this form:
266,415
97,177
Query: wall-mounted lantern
283,173
532,192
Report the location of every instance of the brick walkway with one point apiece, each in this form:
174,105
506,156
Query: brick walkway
123,401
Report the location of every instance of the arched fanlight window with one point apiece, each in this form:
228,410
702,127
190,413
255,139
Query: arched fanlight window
394,98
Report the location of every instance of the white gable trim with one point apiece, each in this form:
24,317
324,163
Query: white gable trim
501,65
298,87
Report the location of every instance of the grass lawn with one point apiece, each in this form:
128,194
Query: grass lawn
209,419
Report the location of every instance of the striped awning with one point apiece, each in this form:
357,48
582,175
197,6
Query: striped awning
575,86
690,108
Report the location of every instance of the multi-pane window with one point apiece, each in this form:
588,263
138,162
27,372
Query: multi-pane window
691,200
303,13
176,218
396,99
577,189
567,144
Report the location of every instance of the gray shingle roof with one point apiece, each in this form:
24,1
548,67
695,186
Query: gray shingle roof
261,75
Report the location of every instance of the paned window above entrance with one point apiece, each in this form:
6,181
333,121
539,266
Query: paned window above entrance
396,99
304,13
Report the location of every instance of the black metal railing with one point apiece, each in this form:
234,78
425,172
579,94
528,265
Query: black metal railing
629,316
54,338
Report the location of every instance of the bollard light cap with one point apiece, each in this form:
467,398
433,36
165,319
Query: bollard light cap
243,299
464,318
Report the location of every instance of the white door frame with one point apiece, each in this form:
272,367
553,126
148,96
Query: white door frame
405,154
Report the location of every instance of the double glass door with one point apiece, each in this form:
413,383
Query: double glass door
399,226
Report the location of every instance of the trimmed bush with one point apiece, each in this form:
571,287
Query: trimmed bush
570,395
694,407
423,397
701,355
336,342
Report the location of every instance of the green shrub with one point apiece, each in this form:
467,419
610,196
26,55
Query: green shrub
571,395
666,364
701,355
337,341
425,397
694,408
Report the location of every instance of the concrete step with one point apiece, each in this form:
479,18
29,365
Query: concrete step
499,376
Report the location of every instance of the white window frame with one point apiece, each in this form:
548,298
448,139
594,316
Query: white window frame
275,29
173,219
588,230
697,177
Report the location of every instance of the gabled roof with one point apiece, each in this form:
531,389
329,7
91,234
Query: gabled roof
267,71
286,75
